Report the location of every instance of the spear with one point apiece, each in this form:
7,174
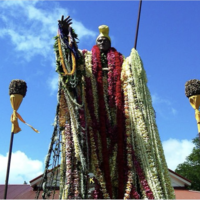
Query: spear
138,22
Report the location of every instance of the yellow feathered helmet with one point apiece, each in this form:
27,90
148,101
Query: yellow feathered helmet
104,31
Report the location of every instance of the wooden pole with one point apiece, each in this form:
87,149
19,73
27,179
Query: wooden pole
138,22
8,165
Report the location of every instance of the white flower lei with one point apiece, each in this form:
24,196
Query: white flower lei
145,131
88,69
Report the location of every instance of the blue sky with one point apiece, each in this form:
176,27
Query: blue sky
168,43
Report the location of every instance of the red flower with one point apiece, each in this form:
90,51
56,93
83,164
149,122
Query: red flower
97,71
115,99
141,177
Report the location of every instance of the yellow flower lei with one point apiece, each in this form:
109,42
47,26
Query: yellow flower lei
63,62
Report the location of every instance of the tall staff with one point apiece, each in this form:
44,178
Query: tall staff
8,165
17,91
192,91
138,22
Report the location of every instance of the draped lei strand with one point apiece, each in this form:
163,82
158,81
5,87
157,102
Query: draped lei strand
115,98
97,71
119,139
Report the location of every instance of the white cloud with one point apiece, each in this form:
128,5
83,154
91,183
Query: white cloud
31,27
163,106
176,151
9,3
53,84
30,45
22,168
174,111
157,100
82,31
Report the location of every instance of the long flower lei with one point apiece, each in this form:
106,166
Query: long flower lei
148,159
115,99
119,150
120,121
97,70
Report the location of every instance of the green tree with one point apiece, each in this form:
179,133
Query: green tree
190,169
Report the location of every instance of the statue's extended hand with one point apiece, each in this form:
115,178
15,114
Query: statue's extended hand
65,23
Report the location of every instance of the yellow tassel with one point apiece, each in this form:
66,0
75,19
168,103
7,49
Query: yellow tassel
20,118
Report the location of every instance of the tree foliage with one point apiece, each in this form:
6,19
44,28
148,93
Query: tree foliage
190,169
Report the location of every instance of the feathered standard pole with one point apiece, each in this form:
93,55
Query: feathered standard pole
192,91
17,91
138,22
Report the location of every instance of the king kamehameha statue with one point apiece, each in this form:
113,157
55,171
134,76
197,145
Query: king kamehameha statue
110,142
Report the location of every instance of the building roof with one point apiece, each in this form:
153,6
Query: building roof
17,192
187,194
178,180
22,192
170,171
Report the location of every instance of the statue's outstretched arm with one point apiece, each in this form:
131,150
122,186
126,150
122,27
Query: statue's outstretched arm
66,47
65,23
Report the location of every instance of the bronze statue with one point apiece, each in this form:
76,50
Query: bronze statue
110,142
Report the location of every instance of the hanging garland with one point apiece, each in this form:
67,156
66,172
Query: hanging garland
62,60
146,140
97,70
121,141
